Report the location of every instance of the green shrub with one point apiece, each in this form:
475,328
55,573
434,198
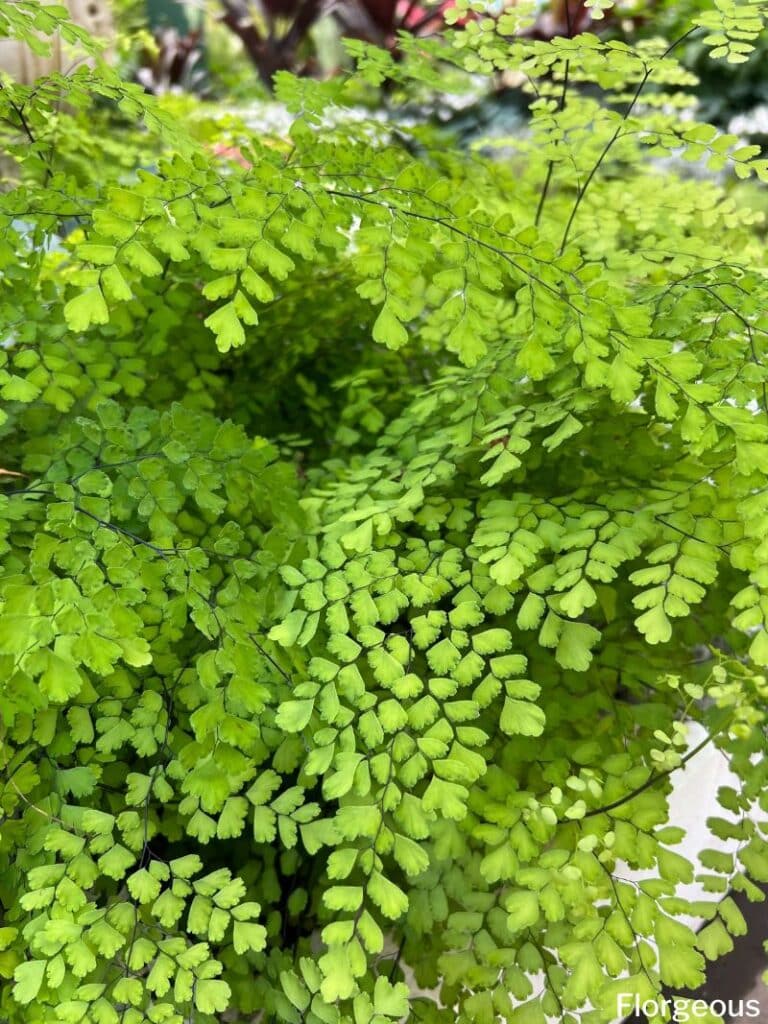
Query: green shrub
357,647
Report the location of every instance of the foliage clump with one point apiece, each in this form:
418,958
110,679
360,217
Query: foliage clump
365,513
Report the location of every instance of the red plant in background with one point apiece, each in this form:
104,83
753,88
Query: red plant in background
377,21
563,18
392,16
232,153
416,19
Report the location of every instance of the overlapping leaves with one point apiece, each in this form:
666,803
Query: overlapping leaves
279,719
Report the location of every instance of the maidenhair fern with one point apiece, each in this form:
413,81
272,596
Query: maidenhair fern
373,520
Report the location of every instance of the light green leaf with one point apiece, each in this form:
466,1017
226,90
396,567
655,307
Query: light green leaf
294,715
28,978
522,910
212,996
86,309
519,717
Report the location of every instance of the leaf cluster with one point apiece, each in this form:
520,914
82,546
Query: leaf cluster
374,518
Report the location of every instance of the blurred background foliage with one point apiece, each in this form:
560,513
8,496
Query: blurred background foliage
230,50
